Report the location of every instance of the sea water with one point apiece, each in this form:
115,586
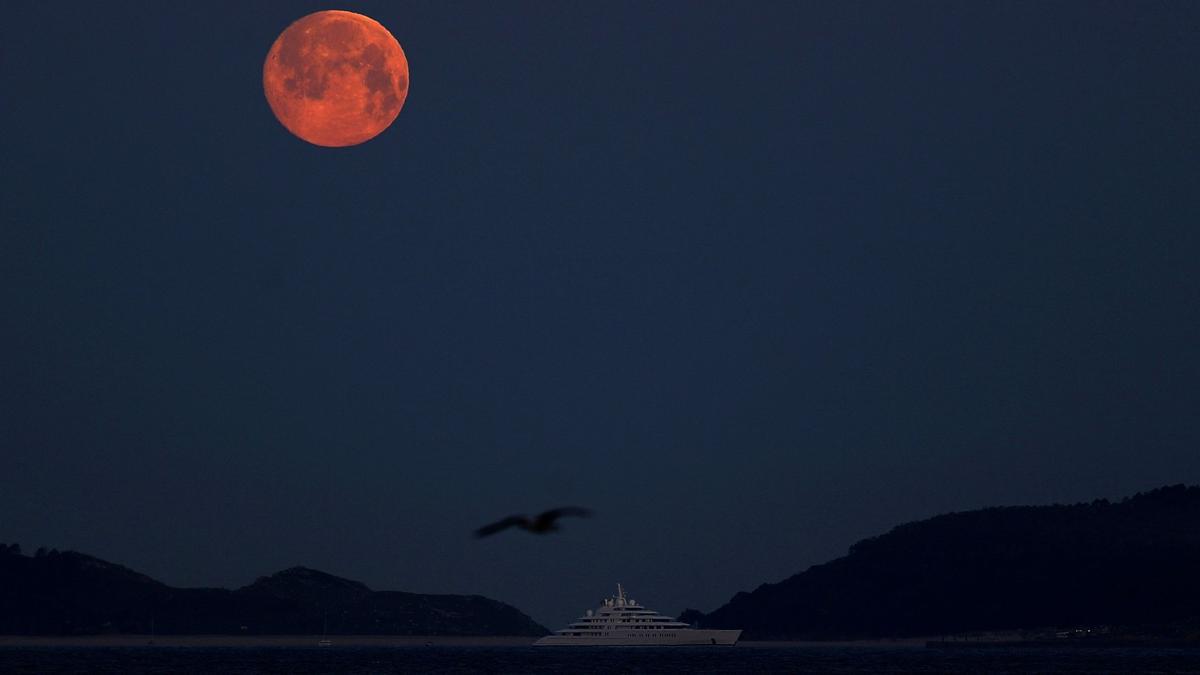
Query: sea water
738,659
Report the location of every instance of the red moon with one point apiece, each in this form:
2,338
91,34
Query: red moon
336,78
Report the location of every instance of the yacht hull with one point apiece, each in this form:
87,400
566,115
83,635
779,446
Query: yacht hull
678,638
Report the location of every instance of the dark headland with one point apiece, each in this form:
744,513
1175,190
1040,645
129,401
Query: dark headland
70,593
1121,572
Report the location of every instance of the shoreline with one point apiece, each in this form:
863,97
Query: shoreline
374,641
1083,643
410,641
265,640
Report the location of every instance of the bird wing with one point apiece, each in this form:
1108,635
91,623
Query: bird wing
499,525
554,514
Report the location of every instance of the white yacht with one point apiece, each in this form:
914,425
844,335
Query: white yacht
620,621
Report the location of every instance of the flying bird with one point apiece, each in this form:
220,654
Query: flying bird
541,524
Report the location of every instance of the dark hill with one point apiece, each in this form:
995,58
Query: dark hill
1132,563
68,593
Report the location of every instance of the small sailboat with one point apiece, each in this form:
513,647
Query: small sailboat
325,641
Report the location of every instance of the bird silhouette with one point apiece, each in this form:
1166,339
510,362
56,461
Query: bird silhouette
540,524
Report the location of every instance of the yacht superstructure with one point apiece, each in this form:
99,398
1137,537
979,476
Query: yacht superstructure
622,621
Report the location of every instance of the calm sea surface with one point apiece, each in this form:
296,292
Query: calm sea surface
362,660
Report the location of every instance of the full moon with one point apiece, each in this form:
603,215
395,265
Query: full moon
336,78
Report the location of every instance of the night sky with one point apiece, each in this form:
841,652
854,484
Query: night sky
751,280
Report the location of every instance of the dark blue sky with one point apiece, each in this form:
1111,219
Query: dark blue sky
753,280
